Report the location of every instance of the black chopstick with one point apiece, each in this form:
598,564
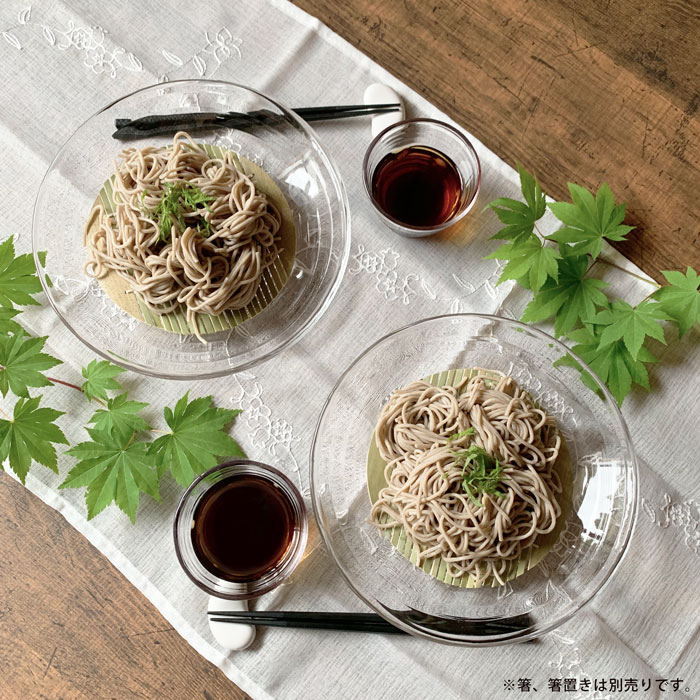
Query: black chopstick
340,111
348,622
369,622
155,124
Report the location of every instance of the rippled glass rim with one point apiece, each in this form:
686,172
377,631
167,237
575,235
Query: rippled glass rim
611,564
207,580
343,224
367,177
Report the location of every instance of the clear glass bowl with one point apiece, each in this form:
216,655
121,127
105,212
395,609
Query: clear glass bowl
182,531
597,527
435,135
289,152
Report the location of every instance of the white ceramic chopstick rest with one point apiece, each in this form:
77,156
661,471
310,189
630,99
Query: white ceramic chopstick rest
379,94
231,635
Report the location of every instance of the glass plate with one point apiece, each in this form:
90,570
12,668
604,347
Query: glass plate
596,528
289,152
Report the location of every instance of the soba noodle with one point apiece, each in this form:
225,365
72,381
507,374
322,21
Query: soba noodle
211,264
420,434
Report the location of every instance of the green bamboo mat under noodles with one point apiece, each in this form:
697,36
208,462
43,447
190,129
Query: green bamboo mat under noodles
273,279
435,566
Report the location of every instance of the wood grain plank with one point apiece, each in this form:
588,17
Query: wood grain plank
71,626
578,91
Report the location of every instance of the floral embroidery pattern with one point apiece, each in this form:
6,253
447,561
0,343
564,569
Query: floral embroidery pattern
102,56
275,435
9,34
384,267
219,48
99,54
685,516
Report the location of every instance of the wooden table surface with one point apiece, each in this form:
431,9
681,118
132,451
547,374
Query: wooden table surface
584,90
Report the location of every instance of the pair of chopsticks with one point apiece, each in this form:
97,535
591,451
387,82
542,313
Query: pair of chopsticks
365,622
156,124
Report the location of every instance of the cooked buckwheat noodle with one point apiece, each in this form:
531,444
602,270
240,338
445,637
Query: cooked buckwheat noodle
424,492
205,272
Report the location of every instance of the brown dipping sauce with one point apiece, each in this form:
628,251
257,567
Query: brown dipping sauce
417,186
242,528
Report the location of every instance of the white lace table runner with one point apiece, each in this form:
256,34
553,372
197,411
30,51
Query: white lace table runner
63,61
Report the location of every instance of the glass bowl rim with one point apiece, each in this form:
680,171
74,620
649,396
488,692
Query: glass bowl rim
322,307
432,122
276,476
630,512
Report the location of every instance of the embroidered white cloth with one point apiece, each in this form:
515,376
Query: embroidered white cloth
62,62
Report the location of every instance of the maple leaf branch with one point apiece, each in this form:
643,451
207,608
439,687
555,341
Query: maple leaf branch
102,403
99,401
53,380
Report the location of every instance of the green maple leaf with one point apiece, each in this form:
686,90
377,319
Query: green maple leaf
613,362
120,416
198,439
113,471
7,325
528,258
631,324
588,220
569,298
29,436
520,217
22,363
18,280
99,378
681,298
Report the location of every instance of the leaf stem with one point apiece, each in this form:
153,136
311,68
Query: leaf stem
630,273
60,381
646,297
592,264
75,386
